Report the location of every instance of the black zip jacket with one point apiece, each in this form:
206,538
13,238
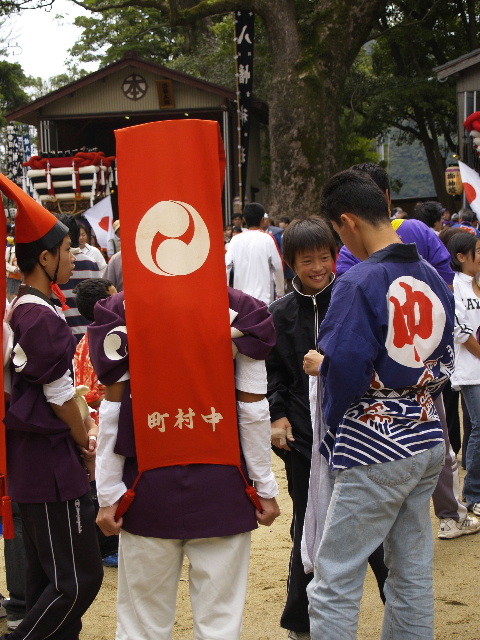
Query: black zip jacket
297,319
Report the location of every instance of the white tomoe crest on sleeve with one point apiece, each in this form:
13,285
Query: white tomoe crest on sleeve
416,321
115,343
19,358
172,239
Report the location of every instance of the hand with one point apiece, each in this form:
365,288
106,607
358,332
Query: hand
92,434
89,464
106,520
271,510
312,362
281,434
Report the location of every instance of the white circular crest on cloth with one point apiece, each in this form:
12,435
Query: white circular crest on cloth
19,358
173,257
416,321
113,343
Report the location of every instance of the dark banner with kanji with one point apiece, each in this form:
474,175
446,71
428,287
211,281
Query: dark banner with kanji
244,42
19,150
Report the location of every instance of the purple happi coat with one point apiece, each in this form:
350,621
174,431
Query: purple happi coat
43,460
190,501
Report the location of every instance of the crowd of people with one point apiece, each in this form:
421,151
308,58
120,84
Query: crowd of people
355,334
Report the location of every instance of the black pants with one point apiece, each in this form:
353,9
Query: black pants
450,400
64,569
14,551
295,614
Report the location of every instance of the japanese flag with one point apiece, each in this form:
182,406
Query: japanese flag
471,184
100,217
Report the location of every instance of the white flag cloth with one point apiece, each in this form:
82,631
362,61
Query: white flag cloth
471,184
100,217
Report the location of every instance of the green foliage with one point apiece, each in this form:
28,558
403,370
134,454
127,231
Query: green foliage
204,50
404,91
108,35
39,87
393,84
12,87
210,52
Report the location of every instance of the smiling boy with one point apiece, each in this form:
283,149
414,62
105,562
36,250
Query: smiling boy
310,249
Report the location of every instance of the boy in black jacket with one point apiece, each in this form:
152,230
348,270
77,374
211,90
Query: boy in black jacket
309,248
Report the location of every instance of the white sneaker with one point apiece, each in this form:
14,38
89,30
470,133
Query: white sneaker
13,624
476,508
450,528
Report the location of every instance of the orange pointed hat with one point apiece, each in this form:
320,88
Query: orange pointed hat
36,229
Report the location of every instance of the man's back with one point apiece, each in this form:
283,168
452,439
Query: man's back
398,346
257,265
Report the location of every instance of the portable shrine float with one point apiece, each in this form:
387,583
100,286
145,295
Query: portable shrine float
70,183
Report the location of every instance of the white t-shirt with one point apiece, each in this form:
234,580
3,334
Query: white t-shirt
96,255
257,266
467,323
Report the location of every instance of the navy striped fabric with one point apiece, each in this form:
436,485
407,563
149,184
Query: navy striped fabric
84,268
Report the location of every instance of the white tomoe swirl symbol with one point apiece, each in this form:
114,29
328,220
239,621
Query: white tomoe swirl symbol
113,343
19,358
173,257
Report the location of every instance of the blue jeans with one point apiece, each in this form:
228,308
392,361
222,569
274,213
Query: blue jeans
471,485
371,504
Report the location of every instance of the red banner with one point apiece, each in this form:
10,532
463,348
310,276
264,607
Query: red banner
3,299
170,178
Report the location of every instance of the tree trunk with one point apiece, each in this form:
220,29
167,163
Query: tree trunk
309,73
436,165
314,45
303,122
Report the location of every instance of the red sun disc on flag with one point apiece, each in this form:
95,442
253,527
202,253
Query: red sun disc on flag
470,192
104,223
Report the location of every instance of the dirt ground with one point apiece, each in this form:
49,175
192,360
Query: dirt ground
457,570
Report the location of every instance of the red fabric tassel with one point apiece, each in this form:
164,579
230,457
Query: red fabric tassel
8,526
251,492
60,295
253,497
124,504
127,499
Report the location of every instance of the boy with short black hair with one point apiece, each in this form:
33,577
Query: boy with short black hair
255,259
310,249
89,292
387,340
46,436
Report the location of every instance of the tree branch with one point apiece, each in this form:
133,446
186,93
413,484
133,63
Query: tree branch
406,25
149,4
207,8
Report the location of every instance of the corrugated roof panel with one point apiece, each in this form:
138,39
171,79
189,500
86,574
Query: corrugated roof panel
108,96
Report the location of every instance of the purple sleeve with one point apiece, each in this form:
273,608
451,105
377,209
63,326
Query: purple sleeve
107,336
345,261
256,322
429,246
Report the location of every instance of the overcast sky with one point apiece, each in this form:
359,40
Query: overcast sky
39,42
